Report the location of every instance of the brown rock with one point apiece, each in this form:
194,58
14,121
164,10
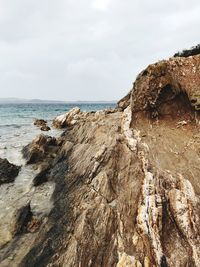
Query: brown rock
38,149
42,124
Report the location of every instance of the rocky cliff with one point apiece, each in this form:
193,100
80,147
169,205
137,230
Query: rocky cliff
125,181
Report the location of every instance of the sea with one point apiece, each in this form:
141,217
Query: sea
17,129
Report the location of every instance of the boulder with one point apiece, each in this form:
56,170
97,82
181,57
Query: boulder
8,171
35,151
42,146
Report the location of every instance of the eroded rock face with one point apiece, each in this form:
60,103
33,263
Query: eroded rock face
163,81
8,171
127,181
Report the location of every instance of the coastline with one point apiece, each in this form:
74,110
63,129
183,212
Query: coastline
119,187
16,124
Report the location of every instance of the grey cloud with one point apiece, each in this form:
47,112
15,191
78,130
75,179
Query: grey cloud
88,49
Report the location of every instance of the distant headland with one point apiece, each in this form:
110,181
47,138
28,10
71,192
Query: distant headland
13,100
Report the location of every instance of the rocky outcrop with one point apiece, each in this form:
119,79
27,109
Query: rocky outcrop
40,148
67,119
8,171
126,180
164,81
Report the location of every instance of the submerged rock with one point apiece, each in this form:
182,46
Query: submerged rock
8,171
127,188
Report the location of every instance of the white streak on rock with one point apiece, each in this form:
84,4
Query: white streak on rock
132,137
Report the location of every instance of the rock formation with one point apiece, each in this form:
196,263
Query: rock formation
39,149
126,180
67,119
8,171
42,124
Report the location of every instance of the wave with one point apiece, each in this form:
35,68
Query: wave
14,125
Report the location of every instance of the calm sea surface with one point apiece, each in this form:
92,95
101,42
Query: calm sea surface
17,129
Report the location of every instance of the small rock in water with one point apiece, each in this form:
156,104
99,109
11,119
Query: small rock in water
39,122
42,124
45,128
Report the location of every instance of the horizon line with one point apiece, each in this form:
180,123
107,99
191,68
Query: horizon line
13,99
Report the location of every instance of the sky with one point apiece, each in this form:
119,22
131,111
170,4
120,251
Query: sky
88,49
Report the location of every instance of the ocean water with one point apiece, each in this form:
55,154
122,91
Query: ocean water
17,129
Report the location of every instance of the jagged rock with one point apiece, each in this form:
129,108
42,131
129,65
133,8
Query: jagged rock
127,188
37,150
66,119
8,171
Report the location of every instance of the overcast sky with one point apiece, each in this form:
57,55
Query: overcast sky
88,49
